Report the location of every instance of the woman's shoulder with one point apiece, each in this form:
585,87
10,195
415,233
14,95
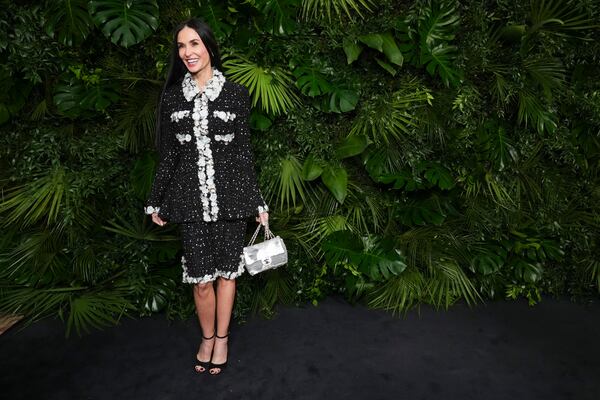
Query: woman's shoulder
235,89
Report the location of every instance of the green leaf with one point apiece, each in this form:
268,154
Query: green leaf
278,16
373,40
320,9
343,100
260,121
352,50
336,180
125,22
351,146
439,175
311,82
391,50
386,66
142,175
311,170
272,87
69,20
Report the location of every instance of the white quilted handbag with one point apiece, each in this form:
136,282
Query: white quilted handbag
269,254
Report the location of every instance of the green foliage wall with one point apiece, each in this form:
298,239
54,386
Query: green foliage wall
411,151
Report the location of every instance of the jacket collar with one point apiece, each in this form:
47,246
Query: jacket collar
212,89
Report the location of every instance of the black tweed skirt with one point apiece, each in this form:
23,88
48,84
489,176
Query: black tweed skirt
212,249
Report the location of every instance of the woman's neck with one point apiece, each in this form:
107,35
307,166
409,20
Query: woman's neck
202,76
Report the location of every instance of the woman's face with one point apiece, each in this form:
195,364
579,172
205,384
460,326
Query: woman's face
192,51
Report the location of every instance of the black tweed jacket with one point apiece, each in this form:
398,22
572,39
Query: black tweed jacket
206,168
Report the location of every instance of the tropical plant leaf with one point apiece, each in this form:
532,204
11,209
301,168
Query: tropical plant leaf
392,117
438,60
311,169
137,116
125,23
437,22
559,17
72,96
449,283
279,15
311,82
288,186
342,100
138,228
142,175
373,257
40,199
69,21
336,180
323,8
532,112
399,293
96,310
271,87
421,213
352,50
216,14
351,146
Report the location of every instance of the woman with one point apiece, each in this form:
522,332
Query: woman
205,180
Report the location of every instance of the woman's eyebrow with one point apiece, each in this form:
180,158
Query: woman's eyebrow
191,41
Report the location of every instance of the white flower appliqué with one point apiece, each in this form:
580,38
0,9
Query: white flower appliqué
224,115
224,138
183,138
177,115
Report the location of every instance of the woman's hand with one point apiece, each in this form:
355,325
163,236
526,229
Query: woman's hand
263,218
156,219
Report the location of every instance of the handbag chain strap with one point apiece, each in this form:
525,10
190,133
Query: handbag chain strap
268,233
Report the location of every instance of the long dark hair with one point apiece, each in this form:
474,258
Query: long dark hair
177,69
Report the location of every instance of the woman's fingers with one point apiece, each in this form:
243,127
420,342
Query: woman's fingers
156,219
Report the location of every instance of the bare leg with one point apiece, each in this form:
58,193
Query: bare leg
225,298
204,298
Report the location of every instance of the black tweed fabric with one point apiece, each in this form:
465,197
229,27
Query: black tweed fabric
206,168
212,250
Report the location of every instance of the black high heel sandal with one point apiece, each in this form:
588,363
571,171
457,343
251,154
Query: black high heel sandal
203,364
222,365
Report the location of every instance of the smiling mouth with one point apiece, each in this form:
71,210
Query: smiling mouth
192,61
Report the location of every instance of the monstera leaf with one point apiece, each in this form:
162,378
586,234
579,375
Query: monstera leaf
69,20
373,256
279,16
125,22
311,82
73,97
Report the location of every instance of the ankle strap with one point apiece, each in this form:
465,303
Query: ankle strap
208,338
222,337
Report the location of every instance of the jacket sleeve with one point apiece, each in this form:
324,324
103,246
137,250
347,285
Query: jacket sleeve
243,129
168,160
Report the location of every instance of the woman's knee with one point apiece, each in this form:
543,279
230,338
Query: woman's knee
203,288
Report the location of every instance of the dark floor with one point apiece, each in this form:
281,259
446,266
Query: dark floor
504,350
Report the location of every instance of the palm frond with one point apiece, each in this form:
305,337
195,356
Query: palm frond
400,293
40,199
137,116
287,186
318,8
449,283
391,118
272,88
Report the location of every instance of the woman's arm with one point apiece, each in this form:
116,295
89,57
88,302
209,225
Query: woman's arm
168,159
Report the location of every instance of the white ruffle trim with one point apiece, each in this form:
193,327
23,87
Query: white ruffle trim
224,115
151,210
177,115
218,273
183,138
212,89
225,138
262,209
